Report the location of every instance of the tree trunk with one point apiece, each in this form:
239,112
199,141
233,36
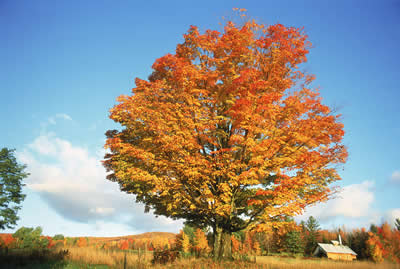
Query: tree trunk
222,244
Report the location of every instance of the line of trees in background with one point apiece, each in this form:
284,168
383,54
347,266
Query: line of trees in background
32,238
287,238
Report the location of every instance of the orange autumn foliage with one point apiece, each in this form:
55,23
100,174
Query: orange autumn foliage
6,240
328,236
374,247
257,248
200,243
247,246
389,242
235,244
124,245
227,131
82,242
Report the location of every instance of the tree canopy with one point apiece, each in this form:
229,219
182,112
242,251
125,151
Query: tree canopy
227,131
11,176
30,238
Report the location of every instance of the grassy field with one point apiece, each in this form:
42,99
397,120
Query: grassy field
287,263
96,258
117,259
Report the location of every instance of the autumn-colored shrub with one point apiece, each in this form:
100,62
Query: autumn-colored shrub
165,256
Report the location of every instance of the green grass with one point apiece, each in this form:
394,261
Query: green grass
76,265
51,265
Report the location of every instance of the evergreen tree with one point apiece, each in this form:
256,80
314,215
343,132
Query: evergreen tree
189,230
303,225
357,241
373,228
293,242
312,230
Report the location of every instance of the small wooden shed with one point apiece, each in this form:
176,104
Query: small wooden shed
335,251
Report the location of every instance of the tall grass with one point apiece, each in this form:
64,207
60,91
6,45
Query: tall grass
112,258
291,263
129,259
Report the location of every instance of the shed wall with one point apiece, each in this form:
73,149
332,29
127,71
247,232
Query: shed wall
340,256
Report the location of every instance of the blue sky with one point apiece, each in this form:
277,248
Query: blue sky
63,63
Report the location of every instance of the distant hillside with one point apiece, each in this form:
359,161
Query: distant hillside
149,236
152,235
143,236
148,241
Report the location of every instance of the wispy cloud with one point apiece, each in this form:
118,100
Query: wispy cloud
52,120
353,202
73,183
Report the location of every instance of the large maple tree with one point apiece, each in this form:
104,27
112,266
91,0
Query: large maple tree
227,132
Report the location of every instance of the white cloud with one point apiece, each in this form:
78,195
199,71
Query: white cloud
392,215
43,146
73,182
354,201
102,210
395,176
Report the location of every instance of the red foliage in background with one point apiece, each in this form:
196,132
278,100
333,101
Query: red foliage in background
6,240
124,245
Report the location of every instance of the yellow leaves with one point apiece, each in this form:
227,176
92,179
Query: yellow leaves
230,102
223,210
169,207
185,243
224,187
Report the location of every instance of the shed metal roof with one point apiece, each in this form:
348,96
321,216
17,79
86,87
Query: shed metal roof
330,248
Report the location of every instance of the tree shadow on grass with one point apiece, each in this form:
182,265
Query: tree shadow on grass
20,258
